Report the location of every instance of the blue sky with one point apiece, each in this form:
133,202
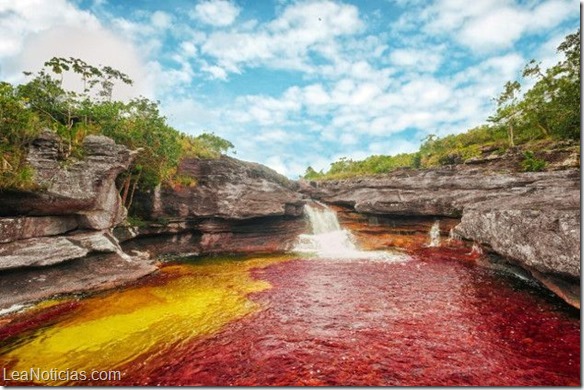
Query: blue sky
298,83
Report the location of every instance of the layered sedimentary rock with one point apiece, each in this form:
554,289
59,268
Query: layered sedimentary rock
435,192
531,219
234,207
378,232
540,231
64,222
83,188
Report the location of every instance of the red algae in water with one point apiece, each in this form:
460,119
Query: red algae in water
429,321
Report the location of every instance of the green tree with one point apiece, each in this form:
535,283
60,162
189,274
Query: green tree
553,103
311,174
508,109
137,124
214,143
18,127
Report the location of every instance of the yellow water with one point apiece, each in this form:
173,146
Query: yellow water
109,330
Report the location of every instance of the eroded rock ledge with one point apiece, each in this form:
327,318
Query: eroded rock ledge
65,236
58,239
235,207
531,219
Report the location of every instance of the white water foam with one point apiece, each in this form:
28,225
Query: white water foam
12,309
435,235
329,241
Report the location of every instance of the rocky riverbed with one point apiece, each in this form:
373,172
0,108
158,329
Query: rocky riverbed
530,219
71,234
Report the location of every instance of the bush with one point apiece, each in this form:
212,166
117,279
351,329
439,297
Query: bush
532,164
137,124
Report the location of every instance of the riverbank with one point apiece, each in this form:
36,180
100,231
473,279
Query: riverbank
72,236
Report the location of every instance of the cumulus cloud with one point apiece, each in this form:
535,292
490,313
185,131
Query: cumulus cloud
344,87
161,20
488,25
35,31
219,13
286,41
19,19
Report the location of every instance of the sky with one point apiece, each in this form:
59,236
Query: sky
299,83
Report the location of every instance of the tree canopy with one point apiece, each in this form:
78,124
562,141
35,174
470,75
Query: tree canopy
43,102
549,110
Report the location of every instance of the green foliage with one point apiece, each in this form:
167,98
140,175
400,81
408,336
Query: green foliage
137,124
345,168
136,221
214,143
549,110
311,174
532,164
18,127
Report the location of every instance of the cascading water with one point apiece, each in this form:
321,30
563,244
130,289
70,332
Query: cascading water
329,240
435,234
453,236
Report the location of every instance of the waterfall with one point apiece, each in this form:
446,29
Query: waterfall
329,240
435,234
476,249
452,236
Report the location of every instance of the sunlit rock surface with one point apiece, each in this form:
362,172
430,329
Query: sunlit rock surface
225,188
532,219
51,237
234,207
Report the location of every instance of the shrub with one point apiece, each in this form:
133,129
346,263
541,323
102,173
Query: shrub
532,164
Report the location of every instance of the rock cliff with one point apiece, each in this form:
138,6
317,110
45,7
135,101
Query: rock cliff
234,207
44,234
64,236
531,219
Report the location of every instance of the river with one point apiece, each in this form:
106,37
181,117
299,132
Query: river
365,319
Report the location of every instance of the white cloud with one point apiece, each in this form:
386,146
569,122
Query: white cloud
393,147
489,25
19,19
215,72
427,60
161,19
190,115
315,95
486,32
550,13
188,48
286,41
35,31
219,13
353,90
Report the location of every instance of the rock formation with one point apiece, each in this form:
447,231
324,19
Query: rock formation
531,219
67,221
60,238
65,236
234,207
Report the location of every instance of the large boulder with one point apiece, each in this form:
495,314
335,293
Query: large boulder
84,188
225,188
541,230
